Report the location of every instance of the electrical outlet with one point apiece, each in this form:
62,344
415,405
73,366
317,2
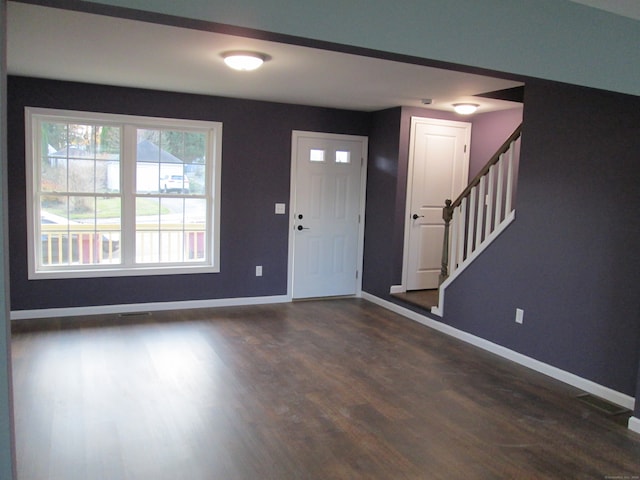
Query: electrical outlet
519,315
258,270
281,208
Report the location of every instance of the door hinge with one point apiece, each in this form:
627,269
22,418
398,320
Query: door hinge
358,218
356,274
465,149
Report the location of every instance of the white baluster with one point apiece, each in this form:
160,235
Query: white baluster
472,220
481,206
490,200
453,246
499,193
483,209
510,180
461,229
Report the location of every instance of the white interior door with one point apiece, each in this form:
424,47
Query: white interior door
438,170
327,174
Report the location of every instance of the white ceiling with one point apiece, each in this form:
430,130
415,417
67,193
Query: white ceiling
66,45
60,44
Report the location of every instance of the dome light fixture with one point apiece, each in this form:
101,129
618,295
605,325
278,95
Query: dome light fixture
244,61
465,108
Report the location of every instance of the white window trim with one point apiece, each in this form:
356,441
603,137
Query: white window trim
32,153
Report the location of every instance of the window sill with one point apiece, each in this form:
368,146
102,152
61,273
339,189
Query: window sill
122,272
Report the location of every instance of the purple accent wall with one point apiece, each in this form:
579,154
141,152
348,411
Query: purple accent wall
570,259
256,163
387,185
489,132
386,195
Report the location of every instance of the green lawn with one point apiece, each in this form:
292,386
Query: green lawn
108,208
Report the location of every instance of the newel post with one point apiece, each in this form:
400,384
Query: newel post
447,215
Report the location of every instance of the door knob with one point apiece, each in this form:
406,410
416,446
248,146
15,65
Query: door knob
300,228
416,216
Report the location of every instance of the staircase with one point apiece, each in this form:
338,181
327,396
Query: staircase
480,213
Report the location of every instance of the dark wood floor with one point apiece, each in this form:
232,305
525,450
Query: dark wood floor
338,389
420,298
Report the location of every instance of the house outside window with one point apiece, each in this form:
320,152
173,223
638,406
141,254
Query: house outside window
116,195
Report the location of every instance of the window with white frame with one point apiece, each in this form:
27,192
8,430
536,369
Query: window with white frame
115,195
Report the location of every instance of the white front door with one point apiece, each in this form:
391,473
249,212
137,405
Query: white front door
326,207
438,170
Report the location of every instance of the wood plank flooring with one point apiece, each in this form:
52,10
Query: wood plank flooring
420,298
336,389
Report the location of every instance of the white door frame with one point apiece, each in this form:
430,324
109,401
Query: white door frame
407,209
295,134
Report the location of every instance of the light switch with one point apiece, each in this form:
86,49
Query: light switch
281,208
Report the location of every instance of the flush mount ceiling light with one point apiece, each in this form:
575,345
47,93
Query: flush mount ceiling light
465,108
244,61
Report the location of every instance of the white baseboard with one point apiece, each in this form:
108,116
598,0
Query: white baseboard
145,307
634,424
397,289
601,391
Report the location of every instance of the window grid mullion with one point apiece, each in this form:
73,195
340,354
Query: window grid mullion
189,242
128,192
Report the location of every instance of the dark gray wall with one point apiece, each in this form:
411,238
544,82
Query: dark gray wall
570,258
382,183
256,150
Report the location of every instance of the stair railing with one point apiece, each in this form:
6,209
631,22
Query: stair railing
474,218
